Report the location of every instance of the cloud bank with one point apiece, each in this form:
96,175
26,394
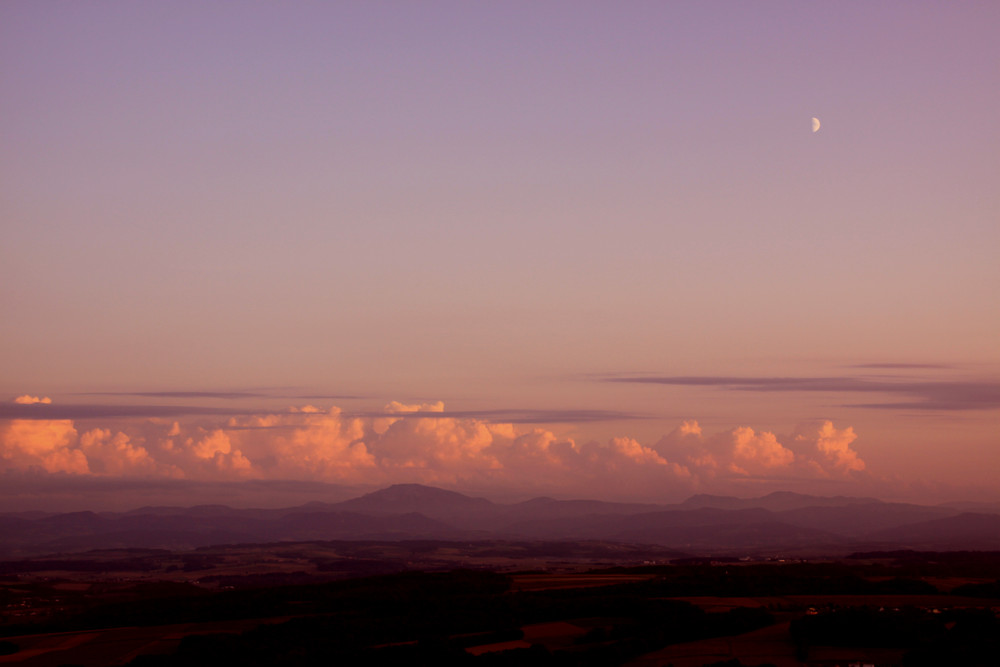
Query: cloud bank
424,443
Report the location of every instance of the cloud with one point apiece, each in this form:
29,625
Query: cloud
41,444
116,454
273,393
926,395
532,451
897,366
689,427
740,451
181,394
323,446
510,415
687,443
215,442
815,450
54,446
426,443
31,400
44,410
756,453
445,448
201,453
945,396
829,448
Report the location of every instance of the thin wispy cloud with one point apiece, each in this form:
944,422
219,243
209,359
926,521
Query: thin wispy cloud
517,416
898,366
97,411
39,410
228,395
322,397
179,394
924,395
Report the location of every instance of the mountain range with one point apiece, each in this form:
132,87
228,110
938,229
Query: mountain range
780,523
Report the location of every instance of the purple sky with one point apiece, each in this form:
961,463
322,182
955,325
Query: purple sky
541,214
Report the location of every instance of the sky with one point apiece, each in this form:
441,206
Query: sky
249,246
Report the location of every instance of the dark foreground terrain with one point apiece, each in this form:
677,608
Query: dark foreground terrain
496,603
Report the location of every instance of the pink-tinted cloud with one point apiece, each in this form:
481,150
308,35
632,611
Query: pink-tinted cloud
757,452
424,443
829,448
817,450
324,446
31,400
117,455
689,427
46,444
201,453
438,442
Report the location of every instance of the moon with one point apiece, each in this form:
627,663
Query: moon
815,124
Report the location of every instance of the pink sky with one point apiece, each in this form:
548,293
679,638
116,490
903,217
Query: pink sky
577,229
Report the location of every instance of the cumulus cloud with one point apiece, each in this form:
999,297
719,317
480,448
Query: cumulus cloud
31,400
537,449
828,448
323,446
117,455
755,453
382,423
818,450
201,453
436,442
425,443
689,427
216,442
41,444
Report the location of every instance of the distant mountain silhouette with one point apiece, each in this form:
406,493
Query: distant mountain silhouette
197,510
976,507
719,502
427,500
777,501
855,520
705,524
549,508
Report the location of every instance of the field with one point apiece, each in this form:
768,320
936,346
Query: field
547,582
410,603
115,646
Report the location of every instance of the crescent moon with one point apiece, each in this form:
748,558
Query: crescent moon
815,124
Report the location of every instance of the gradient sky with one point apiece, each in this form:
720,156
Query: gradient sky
580,227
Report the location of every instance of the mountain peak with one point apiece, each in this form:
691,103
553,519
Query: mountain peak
709,500
428,500
419,491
